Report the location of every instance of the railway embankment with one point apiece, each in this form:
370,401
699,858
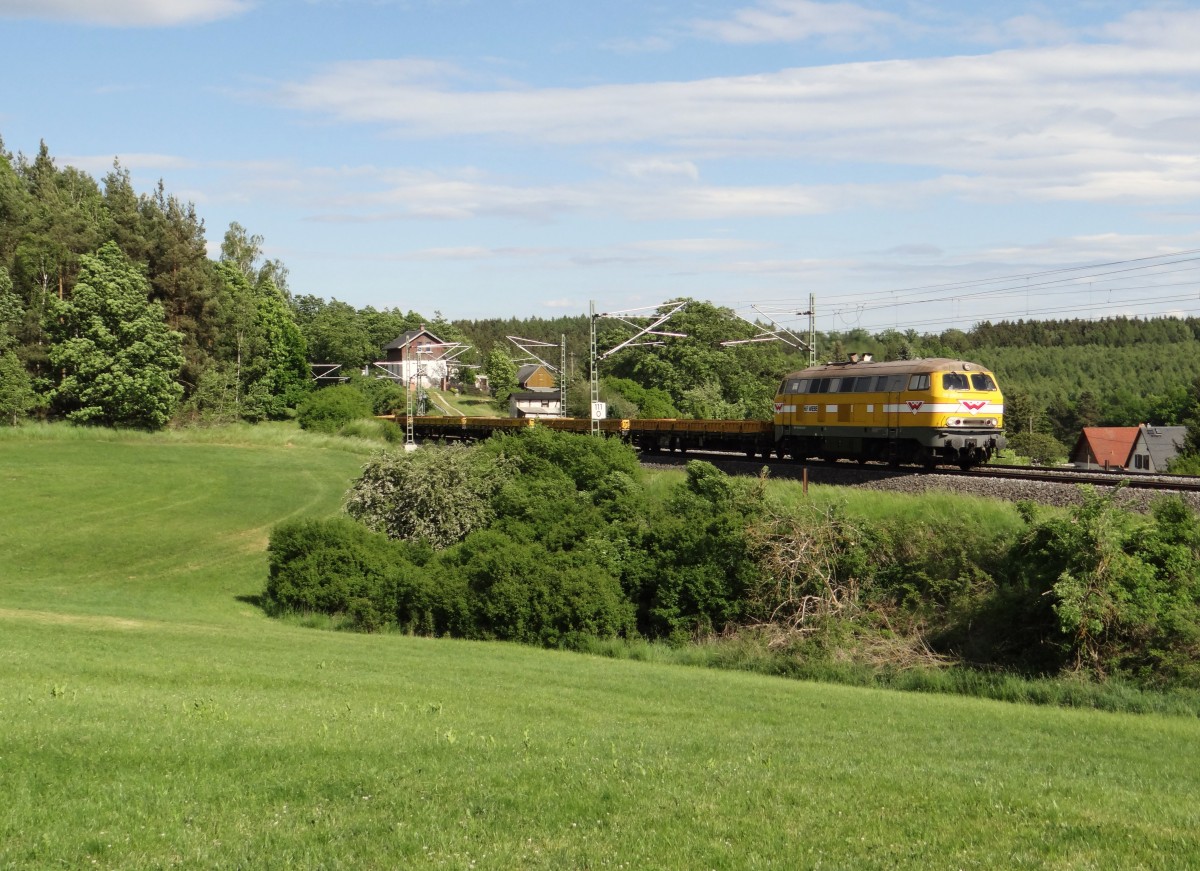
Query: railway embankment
1063,490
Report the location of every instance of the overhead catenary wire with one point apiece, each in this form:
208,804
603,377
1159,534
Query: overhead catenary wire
1007,296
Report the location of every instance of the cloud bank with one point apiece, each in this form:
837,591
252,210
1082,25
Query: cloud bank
124,13
1113,120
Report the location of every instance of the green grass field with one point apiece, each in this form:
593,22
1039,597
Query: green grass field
445,402
151,716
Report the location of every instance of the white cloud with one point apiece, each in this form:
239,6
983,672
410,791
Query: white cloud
1156,29
1103,122
980,28
412,194
696,246
795,21
125,13
660,168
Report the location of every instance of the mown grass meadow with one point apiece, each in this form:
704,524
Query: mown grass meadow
151,716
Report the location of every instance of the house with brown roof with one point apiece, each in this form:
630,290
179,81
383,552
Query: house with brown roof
535,376
417,353
1104,447
536,394
1133,448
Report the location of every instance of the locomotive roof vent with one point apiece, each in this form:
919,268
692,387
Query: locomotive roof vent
867,358
853,358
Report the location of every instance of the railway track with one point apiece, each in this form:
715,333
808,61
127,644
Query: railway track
1025,481
820,469
1133,480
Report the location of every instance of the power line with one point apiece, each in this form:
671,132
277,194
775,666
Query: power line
1062,285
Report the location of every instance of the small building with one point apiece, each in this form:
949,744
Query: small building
417,353
535,376
534,403
1157,446
536,394
1133,448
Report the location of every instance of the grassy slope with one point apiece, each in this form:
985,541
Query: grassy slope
150,716
465,404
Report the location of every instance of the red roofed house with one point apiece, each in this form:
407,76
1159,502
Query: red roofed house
1137,448
1104,447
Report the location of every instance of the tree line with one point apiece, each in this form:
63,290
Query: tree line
112,312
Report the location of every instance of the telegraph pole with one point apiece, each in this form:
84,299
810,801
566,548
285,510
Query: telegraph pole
562,374
812,329
594,375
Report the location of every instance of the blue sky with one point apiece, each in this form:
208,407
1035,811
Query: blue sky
911,164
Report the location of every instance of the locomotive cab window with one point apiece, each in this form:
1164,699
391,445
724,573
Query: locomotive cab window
954,381
820,385
918,382
982,381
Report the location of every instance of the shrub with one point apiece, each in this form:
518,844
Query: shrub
1040,448
385,395
1103,591
332,566
329,409
696,564
437,494
374,429
650,402
519,591
587,461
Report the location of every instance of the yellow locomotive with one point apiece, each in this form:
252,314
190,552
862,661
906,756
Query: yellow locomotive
929,411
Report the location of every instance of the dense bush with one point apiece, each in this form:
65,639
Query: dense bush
333,567
385,394
488,586
1098,590
695,562
549,538
521,591
374,429
437,494
1040,448
587,462
539,538
649,402
328,410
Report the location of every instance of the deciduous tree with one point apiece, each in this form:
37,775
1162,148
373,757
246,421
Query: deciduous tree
502,373
117,358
